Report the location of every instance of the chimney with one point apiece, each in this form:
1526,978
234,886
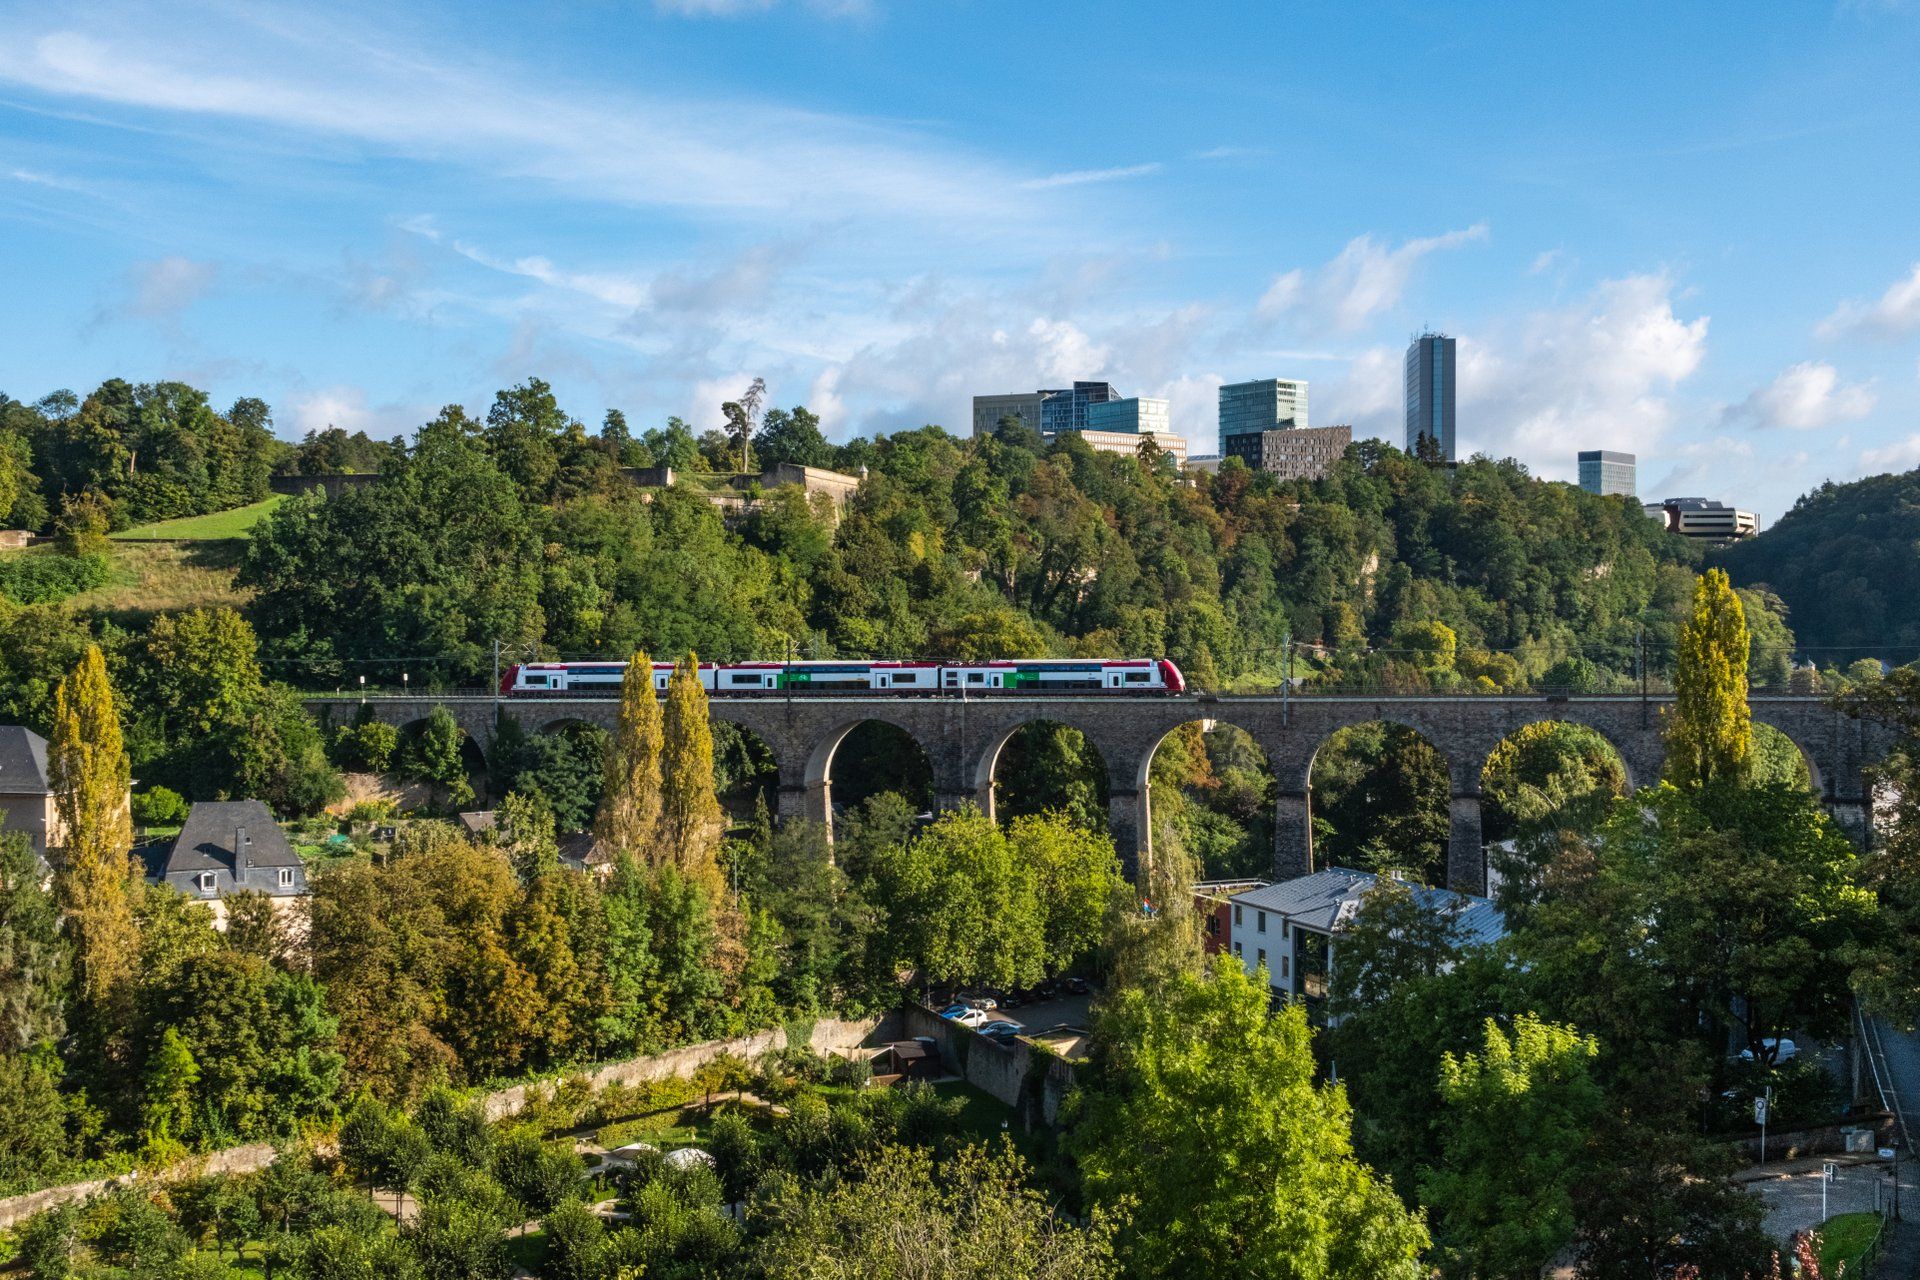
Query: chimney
242,851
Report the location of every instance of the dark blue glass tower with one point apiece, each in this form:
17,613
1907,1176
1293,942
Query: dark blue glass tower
1430,394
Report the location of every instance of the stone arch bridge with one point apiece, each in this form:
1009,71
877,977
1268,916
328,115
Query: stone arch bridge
963,739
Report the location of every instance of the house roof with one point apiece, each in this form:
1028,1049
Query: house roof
1326,900
477,821
214,827
23,762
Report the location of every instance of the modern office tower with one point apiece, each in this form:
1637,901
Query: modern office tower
1430,394
1067,410
988,410
1265,404
1604,471
1704,520
1293,454
1135,414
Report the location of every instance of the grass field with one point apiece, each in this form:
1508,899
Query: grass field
1846,1238
221,524
151,578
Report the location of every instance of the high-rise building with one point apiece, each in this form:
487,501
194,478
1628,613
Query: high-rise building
1265,404
989,410
1128,442
1067,410
1302,453
1604,471
1430,394
1135,414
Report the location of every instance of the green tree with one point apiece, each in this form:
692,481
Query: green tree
437,757
629,815
1076,875
34,1144
976,1217
690,819
1202,1068
91,782
1518,1117
1711,734
171,1077
962,907
33,957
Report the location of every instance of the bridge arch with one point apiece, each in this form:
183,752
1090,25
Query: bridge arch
811,796
1229,761
1428,764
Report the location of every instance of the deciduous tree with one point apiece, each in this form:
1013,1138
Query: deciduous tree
690,817
629,818
90,782
1711,734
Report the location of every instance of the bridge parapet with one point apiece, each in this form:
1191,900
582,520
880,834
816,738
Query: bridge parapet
964,737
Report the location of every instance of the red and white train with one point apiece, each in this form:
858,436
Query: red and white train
747,679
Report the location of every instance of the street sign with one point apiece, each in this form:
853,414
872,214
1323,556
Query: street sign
1828,1170
1759,1110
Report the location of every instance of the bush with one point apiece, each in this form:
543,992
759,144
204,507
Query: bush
159,807
43,579
366,748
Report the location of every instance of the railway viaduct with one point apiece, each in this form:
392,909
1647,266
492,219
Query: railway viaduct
963,739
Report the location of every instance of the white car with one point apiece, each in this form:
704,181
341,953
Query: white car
1783,1051
971,1018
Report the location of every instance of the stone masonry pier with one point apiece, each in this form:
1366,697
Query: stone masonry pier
963,738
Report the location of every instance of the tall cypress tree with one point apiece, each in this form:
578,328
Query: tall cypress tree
1711,735
90,782
691,822
629,817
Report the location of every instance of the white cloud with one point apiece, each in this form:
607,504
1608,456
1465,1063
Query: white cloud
1895,314
345,406
1804,396
1594,375
1546,262
1081,177
167,286
1364,280
1901,455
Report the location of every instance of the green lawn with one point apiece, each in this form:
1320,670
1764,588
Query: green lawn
1846,1238
216,527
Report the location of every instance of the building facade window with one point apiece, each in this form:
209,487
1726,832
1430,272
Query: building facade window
1263,955
286,877
1261,926
1286,928
207,880
1236,948
1236,913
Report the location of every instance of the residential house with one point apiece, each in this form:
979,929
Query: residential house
26,789
1214,900
227,847
1293,927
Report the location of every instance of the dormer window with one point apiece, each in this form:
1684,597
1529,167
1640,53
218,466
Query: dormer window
286,877
207,880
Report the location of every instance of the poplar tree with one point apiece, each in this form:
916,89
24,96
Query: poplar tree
1711,735
90,782
690,818
629,816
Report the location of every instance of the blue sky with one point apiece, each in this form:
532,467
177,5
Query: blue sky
1653,227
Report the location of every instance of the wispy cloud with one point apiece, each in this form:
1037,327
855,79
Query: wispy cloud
1228,153
1364,280
168,286
1894,314
1081,177
369,87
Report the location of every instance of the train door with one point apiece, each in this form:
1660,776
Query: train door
1115,679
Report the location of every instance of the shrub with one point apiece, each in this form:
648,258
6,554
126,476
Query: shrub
43,579
159,807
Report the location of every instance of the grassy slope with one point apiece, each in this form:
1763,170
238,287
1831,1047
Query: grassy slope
1844,1238
156,578
221,524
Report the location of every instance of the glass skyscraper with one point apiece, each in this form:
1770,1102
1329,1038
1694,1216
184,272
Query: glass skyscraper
1430,393
1261,405
1604,471
1067,410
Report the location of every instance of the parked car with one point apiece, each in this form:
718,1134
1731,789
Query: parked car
1078,986
970,1018
953,1011
1783,1050
980,1002
1003,1032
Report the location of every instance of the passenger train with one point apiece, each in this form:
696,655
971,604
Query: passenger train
747,679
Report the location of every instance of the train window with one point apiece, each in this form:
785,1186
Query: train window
975,677
1137,677
536,682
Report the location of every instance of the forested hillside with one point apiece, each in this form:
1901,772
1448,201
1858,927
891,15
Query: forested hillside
1843,560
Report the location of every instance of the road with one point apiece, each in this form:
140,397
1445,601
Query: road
1896,1056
